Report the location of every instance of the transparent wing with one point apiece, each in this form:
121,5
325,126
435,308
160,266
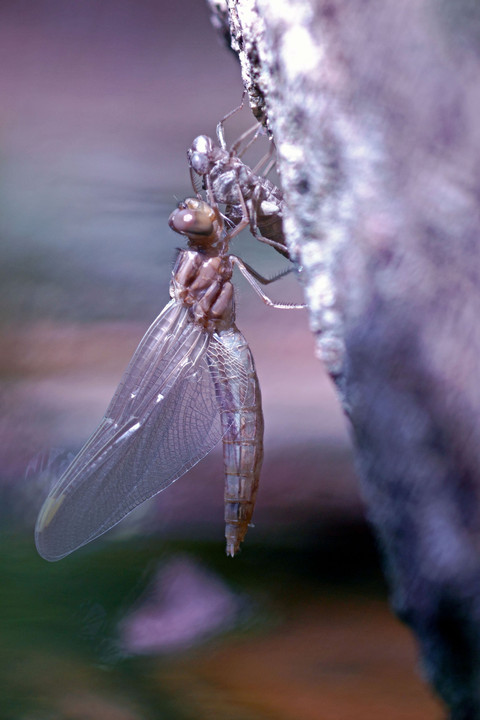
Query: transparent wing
163,418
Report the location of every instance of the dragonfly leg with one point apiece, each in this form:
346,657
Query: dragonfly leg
269,167
256,129
213,204
234,149
244,222
220,218
221,129
267,158
253,278
260,278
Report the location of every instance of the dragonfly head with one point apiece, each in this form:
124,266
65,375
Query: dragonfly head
201,154
195,219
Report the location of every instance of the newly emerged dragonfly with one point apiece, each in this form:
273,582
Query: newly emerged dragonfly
191,382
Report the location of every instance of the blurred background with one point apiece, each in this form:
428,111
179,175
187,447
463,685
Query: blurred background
100,101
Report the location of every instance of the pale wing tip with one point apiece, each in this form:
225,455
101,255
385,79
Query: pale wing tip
45,517
49,510
43,551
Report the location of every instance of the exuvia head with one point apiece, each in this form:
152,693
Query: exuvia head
200,154
195,219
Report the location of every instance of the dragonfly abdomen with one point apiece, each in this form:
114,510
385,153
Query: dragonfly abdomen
242,422
243,462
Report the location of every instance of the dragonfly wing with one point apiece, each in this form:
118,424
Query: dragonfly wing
163,419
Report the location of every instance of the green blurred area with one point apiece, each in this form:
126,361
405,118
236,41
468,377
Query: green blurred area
59,651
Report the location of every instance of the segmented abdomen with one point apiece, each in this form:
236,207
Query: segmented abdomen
242,422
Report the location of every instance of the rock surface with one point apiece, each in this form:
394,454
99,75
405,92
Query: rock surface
374,110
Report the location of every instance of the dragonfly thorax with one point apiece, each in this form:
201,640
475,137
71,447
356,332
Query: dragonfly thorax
203,284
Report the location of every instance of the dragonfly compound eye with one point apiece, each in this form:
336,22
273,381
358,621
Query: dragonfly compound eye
199,154
199,162
191,222
202,144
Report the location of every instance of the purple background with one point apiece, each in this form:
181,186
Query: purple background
99,104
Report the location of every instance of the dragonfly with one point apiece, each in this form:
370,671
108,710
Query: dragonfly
191,382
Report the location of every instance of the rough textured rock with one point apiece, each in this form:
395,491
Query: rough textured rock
374,108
